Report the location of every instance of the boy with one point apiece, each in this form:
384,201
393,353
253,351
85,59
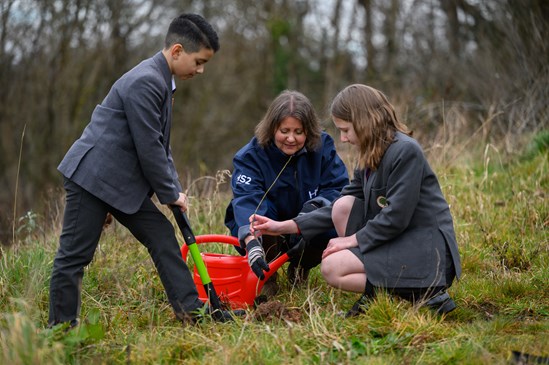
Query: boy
122,158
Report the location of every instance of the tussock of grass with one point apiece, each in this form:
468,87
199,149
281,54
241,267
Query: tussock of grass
501,216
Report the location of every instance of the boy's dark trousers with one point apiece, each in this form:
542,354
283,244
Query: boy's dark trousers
82,226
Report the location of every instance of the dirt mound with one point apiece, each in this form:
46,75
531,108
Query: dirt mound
274,311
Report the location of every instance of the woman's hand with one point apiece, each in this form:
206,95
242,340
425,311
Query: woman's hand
338,244
262,225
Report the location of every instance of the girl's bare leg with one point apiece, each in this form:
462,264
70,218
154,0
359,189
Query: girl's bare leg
345,271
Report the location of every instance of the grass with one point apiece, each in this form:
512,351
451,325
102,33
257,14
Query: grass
501,217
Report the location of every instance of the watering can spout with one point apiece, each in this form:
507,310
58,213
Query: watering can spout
275,265
253,285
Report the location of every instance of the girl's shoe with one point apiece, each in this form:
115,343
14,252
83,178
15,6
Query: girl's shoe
441,303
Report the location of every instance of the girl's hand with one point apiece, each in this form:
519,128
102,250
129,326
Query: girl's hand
262,225
338,244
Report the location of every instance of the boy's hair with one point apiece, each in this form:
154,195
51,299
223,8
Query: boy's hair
193,32
289,103
373,118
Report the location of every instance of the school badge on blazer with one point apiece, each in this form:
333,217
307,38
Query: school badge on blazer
381,201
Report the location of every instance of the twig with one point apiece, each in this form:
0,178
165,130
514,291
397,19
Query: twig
17,182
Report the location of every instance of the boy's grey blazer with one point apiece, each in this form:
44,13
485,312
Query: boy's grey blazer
403,247
123,155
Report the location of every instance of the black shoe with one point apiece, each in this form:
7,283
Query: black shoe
65,326
360,307
297,275
441,303
221,315
218,315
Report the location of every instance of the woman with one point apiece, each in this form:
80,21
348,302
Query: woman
394,226
289,166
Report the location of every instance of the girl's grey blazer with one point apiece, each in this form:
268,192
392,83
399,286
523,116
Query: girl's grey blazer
407,225
123,155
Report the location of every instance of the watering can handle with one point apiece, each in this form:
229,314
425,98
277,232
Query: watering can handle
208,238
221,238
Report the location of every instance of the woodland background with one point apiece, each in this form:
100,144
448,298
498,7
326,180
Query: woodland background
455,70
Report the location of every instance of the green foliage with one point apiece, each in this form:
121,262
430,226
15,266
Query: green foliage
28,224
501,217
538,145
280,30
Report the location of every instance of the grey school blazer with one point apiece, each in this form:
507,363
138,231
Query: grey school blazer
123,155
406,227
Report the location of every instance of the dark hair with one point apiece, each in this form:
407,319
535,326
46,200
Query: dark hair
193,32
289,103
373,118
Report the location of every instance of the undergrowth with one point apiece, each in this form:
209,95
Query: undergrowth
501,218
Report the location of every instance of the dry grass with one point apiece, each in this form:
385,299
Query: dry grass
499,202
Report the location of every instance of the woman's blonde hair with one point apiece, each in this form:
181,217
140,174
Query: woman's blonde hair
373,118
289,103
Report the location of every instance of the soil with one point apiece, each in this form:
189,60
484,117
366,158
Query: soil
274,311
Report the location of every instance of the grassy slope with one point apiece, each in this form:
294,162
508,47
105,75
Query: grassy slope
501,217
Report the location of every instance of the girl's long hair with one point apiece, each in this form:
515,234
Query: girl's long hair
373,118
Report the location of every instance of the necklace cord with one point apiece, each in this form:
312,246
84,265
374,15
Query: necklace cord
267,192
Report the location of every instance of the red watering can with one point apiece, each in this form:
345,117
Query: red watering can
234,280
